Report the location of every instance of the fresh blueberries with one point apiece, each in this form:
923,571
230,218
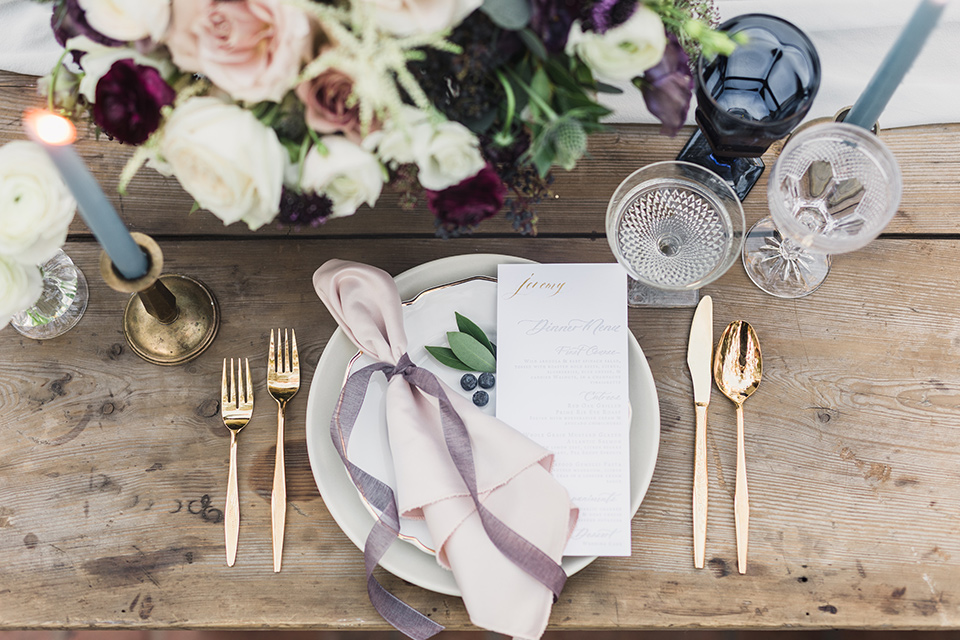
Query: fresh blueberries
487,380
468,382
480,398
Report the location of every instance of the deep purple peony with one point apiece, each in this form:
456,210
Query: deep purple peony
607,14
667,87
470,202
551,21
128,101
69,20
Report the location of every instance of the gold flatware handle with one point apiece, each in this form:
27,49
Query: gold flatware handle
741,503
700,489
231,518
278,497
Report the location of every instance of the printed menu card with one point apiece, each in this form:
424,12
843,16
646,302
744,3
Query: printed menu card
562,380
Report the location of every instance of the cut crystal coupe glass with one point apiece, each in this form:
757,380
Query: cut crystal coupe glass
61,304
833,189
674,226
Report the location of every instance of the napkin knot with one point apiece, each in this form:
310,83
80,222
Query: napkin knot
404,367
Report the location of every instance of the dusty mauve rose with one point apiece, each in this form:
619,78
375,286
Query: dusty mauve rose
252,49
469,202
325,98
667,87
129,98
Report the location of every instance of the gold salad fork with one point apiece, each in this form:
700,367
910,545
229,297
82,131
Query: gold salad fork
236,408
283,381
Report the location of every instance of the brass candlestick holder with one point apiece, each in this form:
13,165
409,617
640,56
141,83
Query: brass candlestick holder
170,319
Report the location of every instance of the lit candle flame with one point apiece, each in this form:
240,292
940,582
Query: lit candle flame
49,128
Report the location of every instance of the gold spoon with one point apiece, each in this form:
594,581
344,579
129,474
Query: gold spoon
737,368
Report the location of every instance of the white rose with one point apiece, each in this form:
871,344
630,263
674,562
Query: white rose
225,158
623,52
446,154
347,174
35,205
97,60
409,17
394,143
128,20
20,287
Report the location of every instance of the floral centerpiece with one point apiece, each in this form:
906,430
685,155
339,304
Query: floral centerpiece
301,111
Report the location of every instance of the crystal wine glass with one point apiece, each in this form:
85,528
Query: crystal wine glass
61,304
833,189
751,98
674,226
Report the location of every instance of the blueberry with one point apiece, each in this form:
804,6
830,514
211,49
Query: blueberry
487,380
468,382
480,398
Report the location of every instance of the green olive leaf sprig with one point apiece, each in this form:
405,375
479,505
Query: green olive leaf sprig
470,349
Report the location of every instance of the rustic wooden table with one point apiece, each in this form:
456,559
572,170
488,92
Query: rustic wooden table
113,471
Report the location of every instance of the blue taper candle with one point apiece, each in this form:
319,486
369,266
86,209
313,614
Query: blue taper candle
895,65
56,134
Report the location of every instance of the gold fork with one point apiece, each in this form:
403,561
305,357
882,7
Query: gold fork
236,408
283,381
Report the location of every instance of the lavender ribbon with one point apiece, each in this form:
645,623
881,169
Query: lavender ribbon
514,546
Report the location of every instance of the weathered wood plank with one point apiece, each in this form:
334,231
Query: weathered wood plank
851,450
929,157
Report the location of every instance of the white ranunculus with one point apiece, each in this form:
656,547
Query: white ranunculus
128,20
225,158
20,287
623,52
446,154
35,205
97,60
348,175
409,17
394,143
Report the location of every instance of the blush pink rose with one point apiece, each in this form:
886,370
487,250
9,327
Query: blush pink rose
325,98
252,49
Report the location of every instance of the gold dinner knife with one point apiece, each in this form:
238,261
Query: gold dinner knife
699,359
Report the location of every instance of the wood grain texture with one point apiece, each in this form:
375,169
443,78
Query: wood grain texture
113,471
929,157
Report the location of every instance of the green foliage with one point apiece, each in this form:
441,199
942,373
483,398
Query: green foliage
470,352
508,14
470,348
445,356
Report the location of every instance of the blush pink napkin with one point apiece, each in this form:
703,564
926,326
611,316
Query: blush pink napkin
513,473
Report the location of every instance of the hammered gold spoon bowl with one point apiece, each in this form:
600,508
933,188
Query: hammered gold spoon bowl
737,369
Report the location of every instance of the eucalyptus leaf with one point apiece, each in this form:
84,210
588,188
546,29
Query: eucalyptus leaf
603,87
470,352
469,327
446,357
508,14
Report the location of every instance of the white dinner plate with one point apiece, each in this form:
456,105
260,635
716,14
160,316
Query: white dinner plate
408,561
